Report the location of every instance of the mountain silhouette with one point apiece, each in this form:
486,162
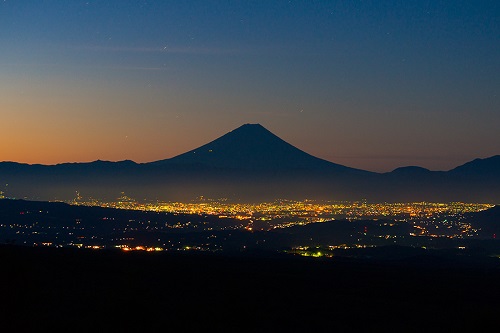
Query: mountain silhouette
479,166
252,147
249,163
410,171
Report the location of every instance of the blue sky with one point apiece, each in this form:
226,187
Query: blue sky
367,84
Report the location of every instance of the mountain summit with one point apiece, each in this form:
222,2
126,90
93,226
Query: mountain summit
252,147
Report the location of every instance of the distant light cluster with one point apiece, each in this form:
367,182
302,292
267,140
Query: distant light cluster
291,212
216,225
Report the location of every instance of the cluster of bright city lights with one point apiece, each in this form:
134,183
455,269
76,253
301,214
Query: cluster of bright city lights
213,225
295,212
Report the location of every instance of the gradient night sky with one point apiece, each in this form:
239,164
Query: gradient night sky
367,84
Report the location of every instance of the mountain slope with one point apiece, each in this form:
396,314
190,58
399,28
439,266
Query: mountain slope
252,147
479,166
487,222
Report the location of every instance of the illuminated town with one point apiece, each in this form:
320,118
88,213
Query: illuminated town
420,219
311,228
295,212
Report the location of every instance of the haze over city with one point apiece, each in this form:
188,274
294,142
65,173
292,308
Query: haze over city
371,85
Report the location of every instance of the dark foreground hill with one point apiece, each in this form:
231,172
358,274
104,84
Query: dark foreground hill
82,290
488,221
